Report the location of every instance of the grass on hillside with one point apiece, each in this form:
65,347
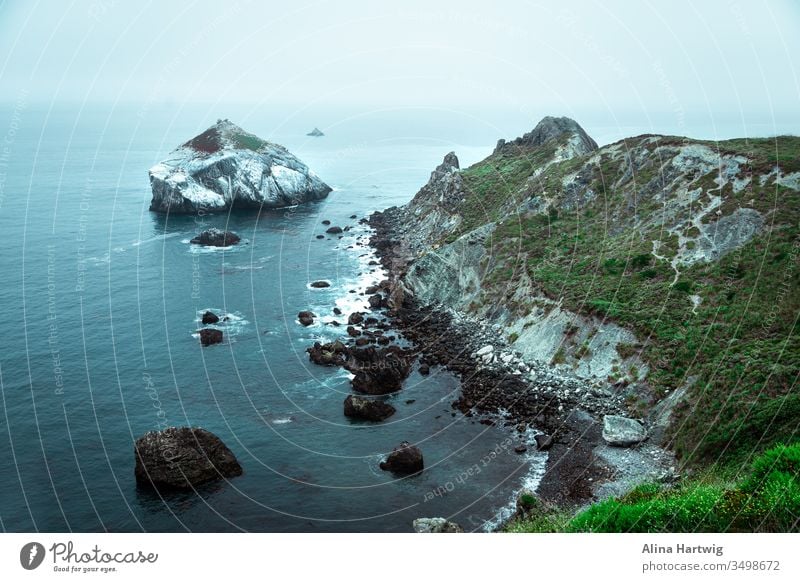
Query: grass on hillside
741,345
766,499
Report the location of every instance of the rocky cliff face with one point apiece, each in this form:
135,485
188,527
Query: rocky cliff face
648,265
226,167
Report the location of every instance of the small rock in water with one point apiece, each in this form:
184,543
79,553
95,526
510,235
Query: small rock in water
320,284
214,237
306,318
196,456
405,459
334,230
210,317
367,409
210,336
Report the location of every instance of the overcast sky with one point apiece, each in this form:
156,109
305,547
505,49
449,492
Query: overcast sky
669,56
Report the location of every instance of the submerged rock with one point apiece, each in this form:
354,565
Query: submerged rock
435,525
214,237
367,409
182,458
320,284
226,167
405,459
209,336
620,431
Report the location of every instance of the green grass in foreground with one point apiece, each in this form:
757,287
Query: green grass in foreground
766,499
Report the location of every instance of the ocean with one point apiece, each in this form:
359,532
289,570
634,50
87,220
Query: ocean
101,300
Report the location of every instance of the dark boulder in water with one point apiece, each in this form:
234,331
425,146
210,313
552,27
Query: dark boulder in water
210,317
214,237
182,458
320,284
330,354
367,409
378,370
306,318
315,133
405,459
334,230
209,336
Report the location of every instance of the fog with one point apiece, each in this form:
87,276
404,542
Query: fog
636,62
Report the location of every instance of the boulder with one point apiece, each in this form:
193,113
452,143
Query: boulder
435,525
210,317
330,354
405,459
315,133
620,431
367,409
334,230
378,370
214,237
543,442
209,336
320,284
225,167
306,318
375,301
355,318
182,458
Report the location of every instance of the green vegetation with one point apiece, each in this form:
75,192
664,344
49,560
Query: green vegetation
740,346
766,499
248,142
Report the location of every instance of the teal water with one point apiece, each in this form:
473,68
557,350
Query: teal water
101,298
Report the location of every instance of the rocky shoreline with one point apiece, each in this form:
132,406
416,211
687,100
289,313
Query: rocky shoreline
498,387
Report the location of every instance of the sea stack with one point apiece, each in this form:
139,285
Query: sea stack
226,167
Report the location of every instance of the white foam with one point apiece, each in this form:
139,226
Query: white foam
164,236
537,463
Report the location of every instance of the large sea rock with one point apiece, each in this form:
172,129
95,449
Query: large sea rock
182,458
227,167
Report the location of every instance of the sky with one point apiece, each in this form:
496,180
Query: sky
674,58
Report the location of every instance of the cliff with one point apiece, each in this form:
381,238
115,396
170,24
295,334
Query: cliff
227,167
658,266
